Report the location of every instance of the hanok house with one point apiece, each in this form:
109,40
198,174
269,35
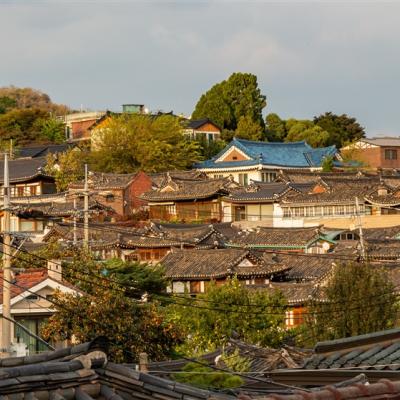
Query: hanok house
121,192
249,161
202,129
192,270
188,200
31,291
153,244
380,152
300,240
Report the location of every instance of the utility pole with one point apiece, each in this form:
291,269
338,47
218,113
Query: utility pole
6,325
360,230
75,233
86,210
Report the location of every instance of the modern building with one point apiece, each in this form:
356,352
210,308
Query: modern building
381,152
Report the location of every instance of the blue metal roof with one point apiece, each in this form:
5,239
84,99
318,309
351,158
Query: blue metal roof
290,154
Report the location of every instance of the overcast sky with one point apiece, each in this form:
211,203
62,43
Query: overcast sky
309,57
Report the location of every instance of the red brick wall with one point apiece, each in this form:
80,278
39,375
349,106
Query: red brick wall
79,129
375,157
141,184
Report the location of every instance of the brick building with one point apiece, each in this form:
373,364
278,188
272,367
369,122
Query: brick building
119,191
383,152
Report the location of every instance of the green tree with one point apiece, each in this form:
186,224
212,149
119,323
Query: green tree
226,102
248,129
359,298
139,142
275,128
66,167
306,130
6,103
24,126
52,130
213,105
327,164
342,129
104,309
222,310
205,377
24,98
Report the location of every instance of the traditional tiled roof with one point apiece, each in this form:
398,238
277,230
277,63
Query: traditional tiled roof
25,280
295,293
83,372
217,263
260,191
198,123
190,189
388,249
335,192
42,150
101,180
60,209
379,350
277,238
392,232
160,178
24,169
288,154
301,176
353,390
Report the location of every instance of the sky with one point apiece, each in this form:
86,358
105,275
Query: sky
309,57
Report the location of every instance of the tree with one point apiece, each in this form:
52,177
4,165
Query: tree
24,98
327,164
248,129
359,299
205,377
222,311
23,126
298,130
66,167
6,103
105,310
52,130
213,105
134,142
275,128
342,129
226,102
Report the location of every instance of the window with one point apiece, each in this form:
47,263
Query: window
240,213
27,225
110,198
218,176
390,154
33,325
33,190
32,297
268,176
243,179
210,137
20,191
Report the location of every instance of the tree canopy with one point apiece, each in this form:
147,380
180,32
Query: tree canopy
230,100
223,311
360,298
133,142
66,167
105,309
342,129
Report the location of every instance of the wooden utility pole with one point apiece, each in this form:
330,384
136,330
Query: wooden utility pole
86,210
6,324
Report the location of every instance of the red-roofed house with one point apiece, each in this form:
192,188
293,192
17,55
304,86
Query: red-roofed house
31,293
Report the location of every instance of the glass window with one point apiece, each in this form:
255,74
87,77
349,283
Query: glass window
243,179
390,154
33,325
27,226
33,190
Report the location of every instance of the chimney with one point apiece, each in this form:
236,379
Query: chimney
54,269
